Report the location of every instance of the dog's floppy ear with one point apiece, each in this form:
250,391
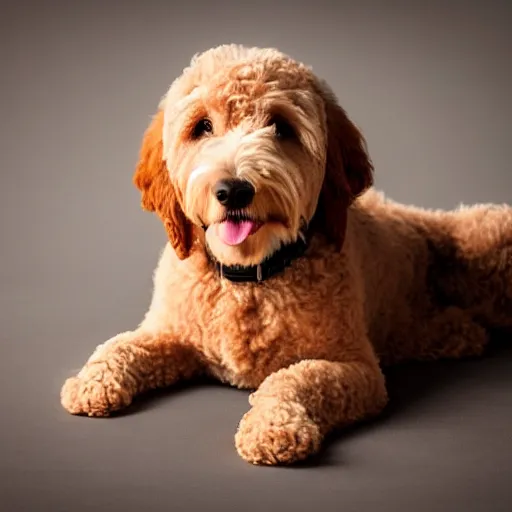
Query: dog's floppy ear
348,171
158,193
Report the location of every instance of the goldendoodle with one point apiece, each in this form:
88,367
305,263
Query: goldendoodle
286,273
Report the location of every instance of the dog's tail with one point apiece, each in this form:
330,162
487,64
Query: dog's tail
470,251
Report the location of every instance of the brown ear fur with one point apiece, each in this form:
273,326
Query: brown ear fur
158,194
348,172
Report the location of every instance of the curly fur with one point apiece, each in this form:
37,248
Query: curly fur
380,283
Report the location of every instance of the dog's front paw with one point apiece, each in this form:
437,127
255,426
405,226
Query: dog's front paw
277,433
96,393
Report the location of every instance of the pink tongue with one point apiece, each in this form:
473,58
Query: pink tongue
234,233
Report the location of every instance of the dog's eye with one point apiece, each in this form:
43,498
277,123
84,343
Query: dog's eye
202,127
283,129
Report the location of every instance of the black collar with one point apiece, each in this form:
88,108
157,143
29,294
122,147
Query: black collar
274,264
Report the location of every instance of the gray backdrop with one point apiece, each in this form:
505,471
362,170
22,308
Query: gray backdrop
429,83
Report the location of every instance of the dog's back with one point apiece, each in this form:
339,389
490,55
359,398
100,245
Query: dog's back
434,280
464,256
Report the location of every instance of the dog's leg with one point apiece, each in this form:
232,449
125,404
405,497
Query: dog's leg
296,407
451,334
128,364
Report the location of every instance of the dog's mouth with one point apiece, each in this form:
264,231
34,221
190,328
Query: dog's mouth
236,227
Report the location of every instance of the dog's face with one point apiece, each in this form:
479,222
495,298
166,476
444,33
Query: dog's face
247,149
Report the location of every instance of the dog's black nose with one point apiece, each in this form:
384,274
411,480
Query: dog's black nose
235,194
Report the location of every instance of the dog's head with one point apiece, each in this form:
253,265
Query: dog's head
251,147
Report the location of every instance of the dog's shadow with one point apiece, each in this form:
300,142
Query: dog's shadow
409,385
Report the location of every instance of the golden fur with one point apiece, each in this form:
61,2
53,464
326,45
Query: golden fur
380,282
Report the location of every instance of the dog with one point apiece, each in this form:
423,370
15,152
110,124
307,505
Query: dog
286,273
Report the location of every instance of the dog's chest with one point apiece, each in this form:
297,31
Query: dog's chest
247,332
